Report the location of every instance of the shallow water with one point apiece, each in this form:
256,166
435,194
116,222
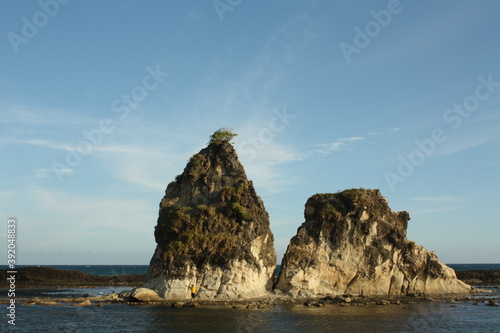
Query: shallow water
428,317
424,317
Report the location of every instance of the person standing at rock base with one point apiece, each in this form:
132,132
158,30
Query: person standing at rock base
193,291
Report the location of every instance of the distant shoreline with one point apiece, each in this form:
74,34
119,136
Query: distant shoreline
37,277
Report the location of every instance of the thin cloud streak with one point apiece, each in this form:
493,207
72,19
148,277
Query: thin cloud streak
444,198
338,145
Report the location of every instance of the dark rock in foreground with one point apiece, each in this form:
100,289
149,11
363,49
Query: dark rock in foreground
479,276
351,242
52,277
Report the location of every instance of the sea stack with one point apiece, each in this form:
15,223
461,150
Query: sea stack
212,231
352,243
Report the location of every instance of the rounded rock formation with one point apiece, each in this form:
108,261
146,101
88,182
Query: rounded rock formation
351,242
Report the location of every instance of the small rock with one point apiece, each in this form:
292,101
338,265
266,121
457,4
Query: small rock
178,304
144,295
191,305
125,294
84,303
251,306
47,303
492,303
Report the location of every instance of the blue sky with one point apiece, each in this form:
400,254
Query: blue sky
103,103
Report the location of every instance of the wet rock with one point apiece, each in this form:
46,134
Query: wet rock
125,294
84,303
178,304
48,303
492,303
479,276
251,306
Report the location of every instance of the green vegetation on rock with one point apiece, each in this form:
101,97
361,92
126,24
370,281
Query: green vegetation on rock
221,135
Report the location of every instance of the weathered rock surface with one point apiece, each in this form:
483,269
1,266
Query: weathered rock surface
144,295
212,232
352,243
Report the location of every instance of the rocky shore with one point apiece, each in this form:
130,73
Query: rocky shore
482,277
33,280
261,302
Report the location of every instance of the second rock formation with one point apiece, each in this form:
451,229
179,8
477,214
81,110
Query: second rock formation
351,242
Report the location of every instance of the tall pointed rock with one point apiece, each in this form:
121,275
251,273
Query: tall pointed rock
212,231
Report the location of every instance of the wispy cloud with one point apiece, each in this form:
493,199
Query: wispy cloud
435,210
41,143
459,143
32,115
194,19
436,199
46,172
338,145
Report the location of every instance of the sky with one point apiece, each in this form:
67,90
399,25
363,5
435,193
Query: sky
102,103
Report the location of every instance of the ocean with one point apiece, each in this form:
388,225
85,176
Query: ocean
422,317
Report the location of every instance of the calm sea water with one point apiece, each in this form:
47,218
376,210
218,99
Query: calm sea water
126,318
433,317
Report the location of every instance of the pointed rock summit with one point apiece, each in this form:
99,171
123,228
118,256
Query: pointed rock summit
212,231
351,242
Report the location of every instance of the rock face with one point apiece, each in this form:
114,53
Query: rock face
351,242
212,232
